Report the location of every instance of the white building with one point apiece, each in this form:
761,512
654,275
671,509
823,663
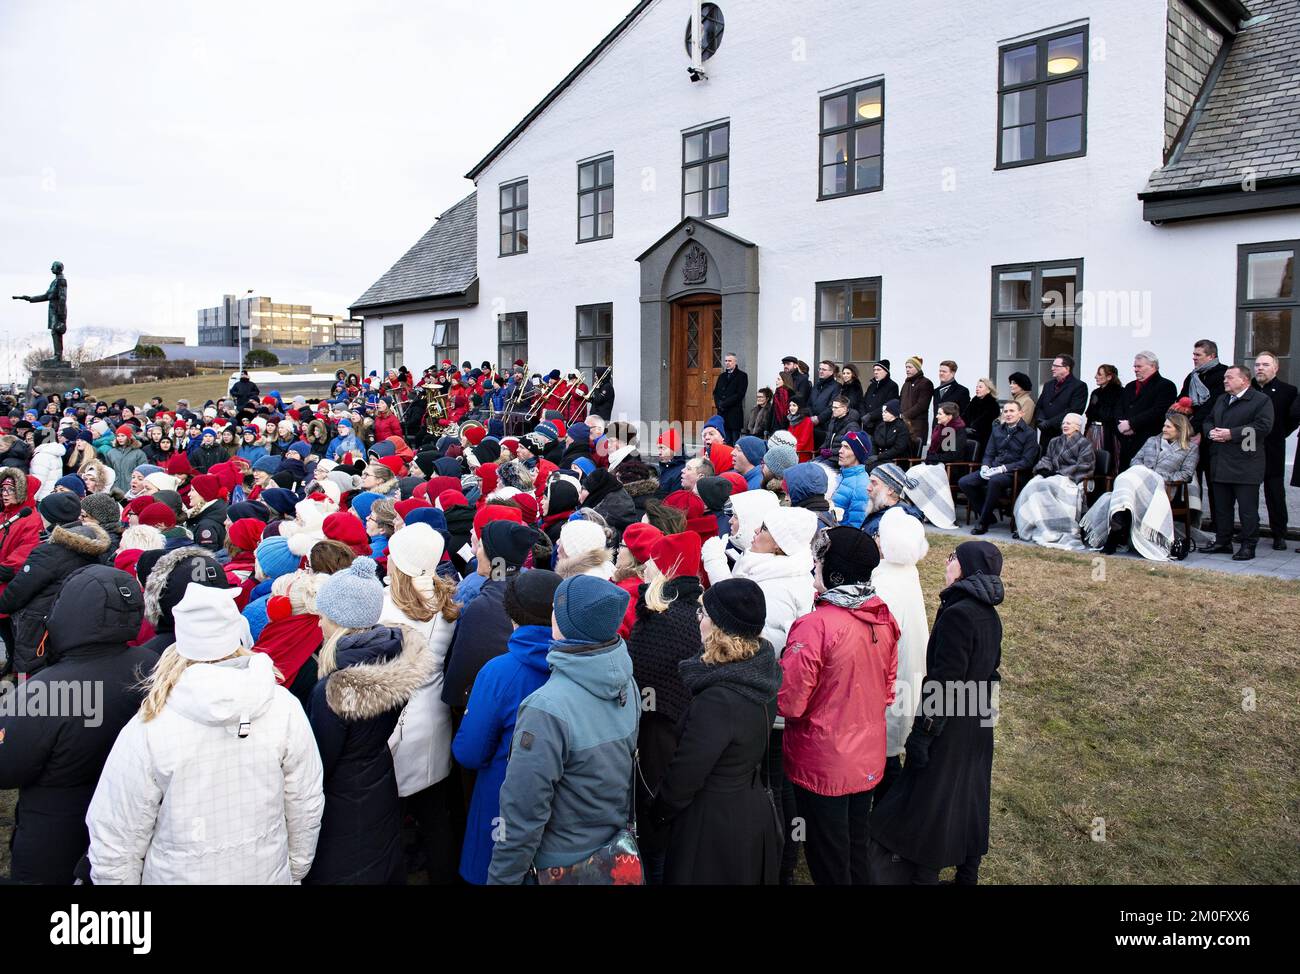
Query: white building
878,179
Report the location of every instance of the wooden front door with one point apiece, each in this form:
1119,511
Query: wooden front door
696,358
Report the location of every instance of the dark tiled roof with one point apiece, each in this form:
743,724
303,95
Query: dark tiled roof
1251,120
444,261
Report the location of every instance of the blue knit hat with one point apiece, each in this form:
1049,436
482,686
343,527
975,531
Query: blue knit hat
208,430
145,469
590,608
267,464
274,557
579,432
354,597
363,502
431,516
548,430
73,483
753,448
583,464
342,423
779,459
717,423
279,500
860,444
383,449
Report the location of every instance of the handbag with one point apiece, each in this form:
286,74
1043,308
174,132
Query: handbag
616,863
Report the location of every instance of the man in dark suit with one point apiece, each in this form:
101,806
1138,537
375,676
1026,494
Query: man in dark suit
948,389
1067,394
1142,406
1283,396
823,394
729,397
1204,386
1236,432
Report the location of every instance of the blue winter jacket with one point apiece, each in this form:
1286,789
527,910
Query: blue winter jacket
851,495
483,741
871,525
252,453
568,784
755,478
344,444
670,476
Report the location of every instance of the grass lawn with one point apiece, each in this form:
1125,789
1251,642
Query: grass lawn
1122,699
198,389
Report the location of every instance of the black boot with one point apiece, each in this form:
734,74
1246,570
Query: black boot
1245,553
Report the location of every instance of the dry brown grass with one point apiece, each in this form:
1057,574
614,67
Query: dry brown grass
1122,700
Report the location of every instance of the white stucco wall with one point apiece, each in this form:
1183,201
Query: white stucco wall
944,218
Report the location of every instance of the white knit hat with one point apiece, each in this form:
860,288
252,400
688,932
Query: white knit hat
416,549
782,436
161,481
206,623
579,537
902,538
750,508
792,528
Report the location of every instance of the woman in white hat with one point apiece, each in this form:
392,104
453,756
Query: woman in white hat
217,779
419,598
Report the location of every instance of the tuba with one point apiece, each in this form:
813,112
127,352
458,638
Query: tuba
435,408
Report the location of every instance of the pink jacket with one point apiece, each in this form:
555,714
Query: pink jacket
839,667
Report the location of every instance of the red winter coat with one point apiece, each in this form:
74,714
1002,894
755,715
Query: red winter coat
289,642
18,540
803,438
630,586
387,425
240,572
838,668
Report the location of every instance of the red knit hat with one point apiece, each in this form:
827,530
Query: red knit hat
496,512
487,475
125,560
246,533
640,539
208,486
720,457
561,430
528,504
686,501
678,554
347,527
179,466
510,443
404,508
395,464
738,483
126,429
137,506
228,474
475,435
452,498
437,485
671,439
158,515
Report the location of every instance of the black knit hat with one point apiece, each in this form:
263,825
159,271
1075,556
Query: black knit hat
737,606
60,508
530,597
509,541
848,556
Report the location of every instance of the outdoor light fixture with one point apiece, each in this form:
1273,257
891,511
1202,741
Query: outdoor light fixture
1062,65
696,74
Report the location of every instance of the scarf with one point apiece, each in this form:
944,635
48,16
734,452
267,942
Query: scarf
849,596
1196,387
756,678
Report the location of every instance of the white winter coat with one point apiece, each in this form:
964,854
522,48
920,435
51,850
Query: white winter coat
183,799
899,587
786,581
47,466
421,742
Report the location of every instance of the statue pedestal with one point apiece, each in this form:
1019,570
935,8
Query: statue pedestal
56,375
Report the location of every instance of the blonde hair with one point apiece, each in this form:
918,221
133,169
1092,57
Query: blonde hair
158,685
655,600
415,604
385,514
988,384
387,479
326,663
1183,428
723,647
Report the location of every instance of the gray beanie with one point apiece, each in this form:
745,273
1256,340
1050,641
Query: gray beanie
780,458
352,598
102,508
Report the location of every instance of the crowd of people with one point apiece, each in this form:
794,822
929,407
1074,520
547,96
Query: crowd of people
343,639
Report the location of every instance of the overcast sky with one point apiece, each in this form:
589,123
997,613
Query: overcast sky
169,152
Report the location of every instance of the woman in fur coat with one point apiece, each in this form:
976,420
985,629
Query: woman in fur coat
369,672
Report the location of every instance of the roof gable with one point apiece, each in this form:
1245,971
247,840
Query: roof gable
443,262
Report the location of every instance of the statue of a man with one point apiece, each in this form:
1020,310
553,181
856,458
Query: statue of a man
57,296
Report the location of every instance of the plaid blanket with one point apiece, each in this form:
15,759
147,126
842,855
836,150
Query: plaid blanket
1141,492
932,494
1047,512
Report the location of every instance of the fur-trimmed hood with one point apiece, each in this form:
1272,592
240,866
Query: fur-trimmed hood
20,481
87,540
157,581
598,562
367,690
642,488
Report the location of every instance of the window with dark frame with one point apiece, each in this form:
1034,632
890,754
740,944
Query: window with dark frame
392,347
706,172
446,340
1035,316
1043,99
848,322
596,199
852,141
514,218
512,338
595,341
1268,303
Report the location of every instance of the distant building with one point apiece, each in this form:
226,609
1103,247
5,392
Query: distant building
258,322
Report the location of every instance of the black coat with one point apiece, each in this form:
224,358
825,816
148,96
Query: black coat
1054,404
1104,407
55,761
1283,397
891,441
244,391
18,456
1145,413
658,642
30,595
729,398
724,829
877,394
1013,447
954,391
836,429
819,403
980,417
481,634
602,400
353,712
1233,462
938,815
